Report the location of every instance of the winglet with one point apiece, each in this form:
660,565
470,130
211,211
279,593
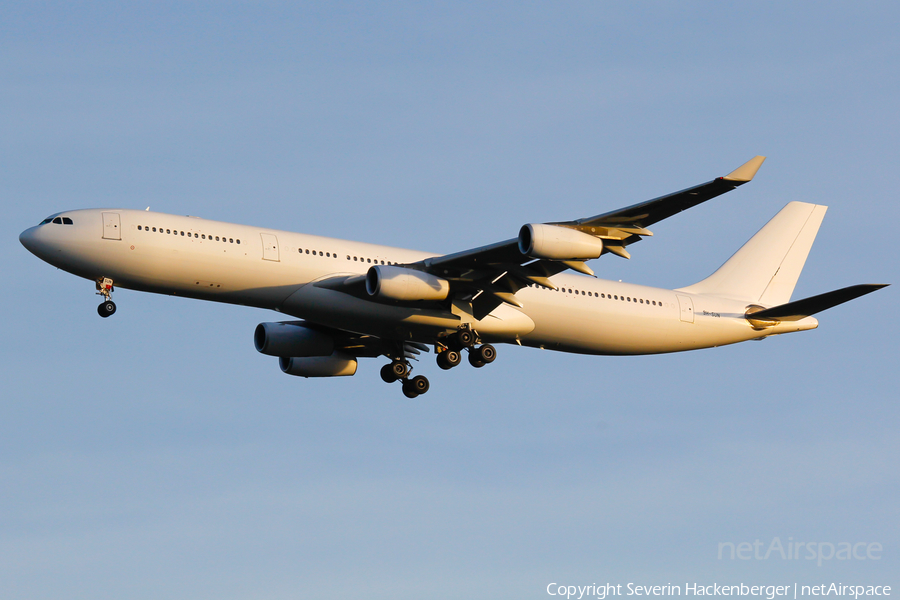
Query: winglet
746,171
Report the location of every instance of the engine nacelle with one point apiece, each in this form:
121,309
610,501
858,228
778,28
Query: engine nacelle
291,339
407,285
558,243
336,365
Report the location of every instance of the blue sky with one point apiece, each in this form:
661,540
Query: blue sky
156,454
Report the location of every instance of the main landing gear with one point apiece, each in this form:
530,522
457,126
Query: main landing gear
479,356
399,370
105,289
449,355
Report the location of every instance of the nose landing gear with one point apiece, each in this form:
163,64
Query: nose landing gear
105,289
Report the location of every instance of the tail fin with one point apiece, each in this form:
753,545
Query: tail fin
766,268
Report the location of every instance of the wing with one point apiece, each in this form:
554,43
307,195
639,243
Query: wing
491,275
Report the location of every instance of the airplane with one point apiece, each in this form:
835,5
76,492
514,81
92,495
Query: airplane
354,300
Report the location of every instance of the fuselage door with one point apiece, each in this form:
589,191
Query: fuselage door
687,309
112,228
270,246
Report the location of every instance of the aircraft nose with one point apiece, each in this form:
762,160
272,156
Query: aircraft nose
27,238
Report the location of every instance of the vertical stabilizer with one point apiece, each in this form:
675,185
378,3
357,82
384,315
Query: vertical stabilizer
766,268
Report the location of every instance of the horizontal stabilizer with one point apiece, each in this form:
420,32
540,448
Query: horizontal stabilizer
815,304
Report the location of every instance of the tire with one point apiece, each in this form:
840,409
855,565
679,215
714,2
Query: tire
408,390
475,359
387,374
453,358
466,338
420,384
448,359
487,353
399,369
106,309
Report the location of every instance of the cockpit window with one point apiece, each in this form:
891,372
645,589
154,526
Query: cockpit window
67,221
47,220
58,220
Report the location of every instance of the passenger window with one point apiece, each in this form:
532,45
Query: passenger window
230,240
182,234
196,236
239,241
217,238
355,259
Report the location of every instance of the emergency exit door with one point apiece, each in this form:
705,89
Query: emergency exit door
687,309
270,246
112,228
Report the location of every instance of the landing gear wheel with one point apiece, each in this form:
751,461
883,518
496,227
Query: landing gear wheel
399,369
408,390
475,359
465,338
420,384
416,386
387,373
106,308
448,359
486,353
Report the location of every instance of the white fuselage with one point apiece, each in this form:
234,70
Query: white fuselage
265,268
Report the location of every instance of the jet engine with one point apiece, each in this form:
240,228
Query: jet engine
291,338
558,243
336,365
407,285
